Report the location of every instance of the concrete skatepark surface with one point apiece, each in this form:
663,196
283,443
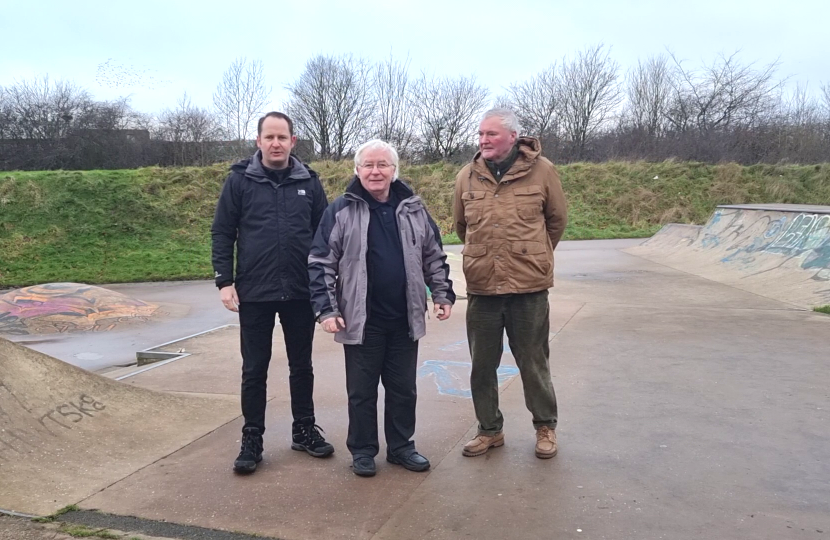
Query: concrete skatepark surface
189,307
689,408
66,433
776,250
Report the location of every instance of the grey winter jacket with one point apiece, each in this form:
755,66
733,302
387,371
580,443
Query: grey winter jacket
337,266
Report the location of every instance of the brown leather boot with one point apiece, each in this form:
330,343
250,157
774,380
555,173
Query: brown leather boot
545,443
481,443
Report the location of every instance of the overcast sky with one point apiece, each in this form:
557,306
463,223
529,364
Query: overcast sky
154,50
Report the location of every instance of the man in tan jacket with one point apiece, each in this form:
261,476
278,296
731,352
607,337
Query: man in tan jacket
510,212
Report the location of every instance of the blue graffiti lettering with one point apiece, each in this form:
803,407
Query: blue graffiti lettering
449,382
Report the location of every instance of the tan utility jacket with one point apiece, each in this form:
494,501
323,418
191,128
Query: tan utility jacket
510,228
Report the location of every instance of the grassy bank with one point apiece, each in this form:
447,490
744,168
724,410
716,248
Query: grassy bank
153,223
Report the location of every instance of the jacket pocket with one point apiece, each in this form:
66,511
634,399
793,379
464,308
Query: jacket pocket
349,289
473,206
528,248
532,264
529,202
528,191
474,250
472,195
477,267
298,202
415,226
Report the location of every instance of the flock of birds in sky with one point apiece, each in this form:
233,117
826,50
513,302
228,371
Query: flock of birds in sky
114,75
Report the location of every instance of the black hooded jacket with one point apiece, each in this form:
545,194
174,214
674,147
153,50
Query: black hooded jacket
272,226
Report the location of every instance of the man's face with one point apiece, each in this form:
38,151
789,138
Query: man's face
494,140
376,172
276,143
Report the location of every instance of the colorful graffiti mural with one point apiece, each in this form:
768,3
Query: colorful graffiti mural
68,307
800,236
778,251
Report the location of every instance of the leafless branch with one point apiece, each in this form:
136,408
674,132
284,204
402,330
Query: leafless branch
332,103
447,112
590,94
240,98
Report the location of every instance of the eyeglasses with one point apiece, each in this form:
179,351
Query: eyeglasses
382,166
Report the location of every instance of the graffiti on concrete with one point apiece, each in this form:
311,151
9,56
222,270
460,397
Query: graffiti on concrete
453,378
68,307
23,428
804,237
463,346
807,232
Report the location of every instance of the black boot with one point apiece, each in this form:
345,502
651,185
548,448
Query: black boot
307,437
251,452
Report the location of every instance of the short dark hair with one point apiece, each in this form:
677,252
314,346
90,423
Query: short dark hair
275,114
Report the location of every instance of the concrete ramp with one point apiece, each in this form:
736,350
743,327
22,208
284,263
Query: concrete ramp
71,308
66,434
777,251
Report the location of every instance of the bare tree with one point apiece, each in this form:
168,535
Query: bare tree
189,128
6,116
43,109
447,110
352,102
394,116
117,114
825,104
49,124
722,95
310,106
649,92
802,109
800,127
590,95
331,103
240,98
536,103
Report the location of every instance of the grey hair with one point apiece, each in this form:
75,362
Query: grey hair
508,118
376,144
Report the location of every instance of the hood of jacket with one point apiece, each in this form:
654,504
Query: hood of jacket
402,190
529,151
252,168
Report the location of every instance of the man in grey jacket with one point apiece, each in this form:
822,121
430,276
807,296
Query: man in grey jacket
375,252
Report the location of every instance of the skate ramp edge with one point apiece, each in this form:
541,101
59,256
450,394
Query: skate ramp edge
66,433
777,251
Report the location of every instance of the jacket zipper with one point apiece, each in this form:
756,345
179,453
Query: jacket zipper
411,227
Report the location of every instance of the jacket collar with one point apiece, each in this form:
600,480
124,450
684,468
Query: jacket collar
529,150
356,189
253,169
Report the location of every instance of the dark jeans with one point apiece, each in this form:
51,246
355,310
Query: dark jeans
256,323
526,317
388,355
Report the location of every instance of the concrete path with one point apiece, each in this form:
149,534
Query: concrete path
688,409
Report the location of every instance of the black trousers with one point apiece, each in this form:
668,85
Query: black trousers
256,323
388,355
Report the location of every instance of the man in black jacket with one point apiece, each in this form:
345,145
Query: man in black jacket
269,209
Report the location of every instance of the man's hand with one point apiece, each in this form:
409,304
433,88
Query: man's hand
443,311
333,324
229,298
